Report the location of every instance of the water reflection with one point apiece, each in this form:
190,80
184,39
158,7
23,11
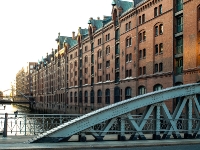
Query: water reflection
10,109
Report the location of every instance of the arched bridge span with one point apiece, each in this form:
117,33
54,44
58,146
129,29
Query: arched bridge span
119,114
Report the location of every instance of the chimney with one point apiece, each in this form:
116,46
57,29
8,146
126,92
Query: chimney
58,34
73,35
98,18
91,18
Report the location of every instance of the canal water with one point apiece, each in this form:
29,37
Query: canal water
10,109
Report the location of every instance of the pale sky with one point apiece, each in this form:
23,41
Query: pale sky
28,29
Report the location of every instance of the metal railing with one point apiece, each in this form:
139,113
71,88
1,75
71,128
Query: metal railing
34,124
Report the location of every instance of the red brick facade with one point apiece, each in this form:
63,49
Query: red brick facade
152,45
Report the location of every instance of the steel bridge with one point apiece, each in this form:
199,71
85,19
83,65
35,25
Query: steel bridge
183,122
27,99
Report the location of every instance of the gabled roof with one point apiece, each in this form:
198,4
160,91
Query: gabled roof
97,23
70,41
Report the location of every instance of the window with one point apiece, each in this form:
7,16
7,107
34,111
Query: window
86,96
107,77
92,59
128,26
80,97
107,50
99,53
75,73
86,59
144,53
156,31
140,71
160,67
99,78
156,49
130,57
161,48
156,67
86,70
127,74
144,36
126,57
92,96
86,81
141,90
160,29
140,54
180,24
108,37
107,96
75,97
144,70
108,63
140,20
71,56
128,41
99,96
140,37
92,47
75,63
179,45
157,87
128,92
155,12
160,9
99,41
130,73
143,18
71,97
86,48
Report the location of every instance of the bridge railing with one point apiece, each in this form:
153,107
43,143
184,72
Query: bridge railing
34,124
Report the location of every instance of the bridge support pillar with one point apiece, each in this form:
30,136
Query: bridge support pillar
82,138
121,136
99,138
157,122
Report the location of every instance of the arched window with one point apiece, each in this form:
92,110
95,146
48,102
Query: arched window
99,54
116,94
92,96
141,90
128,92
86,96
128,41
75,97
99,96
107,96
71,97
157,87
107,50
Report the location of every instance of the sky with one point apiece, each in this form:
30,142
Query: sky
28,29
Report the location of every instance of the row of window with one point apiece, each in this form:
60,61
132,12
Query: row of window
117,94
157,11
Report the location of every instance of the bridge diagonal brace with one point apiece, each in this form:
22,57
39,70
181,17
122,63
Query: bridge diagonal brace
196,133
139,127
97,136
172,119
107,127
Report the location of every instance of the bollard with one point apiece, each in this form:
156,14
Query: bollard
5,125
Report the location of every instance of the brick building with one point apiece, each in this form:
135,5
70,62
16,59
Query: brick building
24,80
145,45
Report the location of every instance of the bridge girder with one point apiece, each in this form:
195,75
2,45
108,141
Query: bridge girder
154,103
